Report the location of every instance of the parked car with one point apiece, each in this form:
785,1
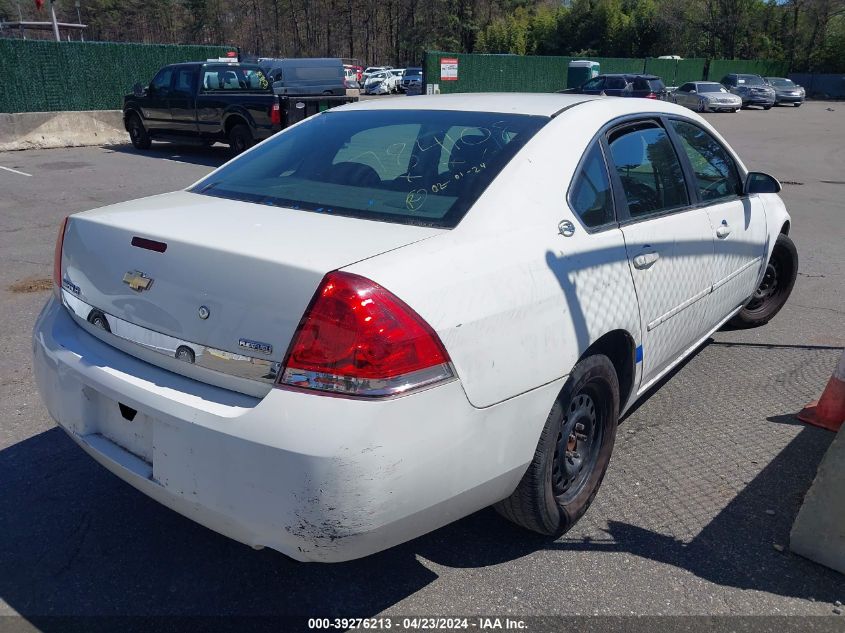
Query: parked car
751,89
786,91
207,102
706,96
624,85
346,279
412,80
370,70
305,76
385,82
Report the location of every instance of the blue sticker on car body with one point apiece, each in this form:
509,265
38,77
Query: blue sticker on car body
639,354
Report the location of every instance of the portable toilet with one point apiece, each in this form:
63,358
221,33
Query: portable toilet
580,70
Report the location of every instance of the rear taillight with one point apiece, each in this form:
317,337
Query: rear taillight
57,258
651,95
275,114
358,339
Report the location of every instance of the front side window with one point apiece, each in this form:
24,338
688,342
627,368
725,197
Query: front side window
649,168
184,81
424,167
593,84
590,196
715,171
161,82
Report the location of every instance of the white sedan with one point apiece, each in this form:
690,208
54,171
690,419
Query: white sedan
402,312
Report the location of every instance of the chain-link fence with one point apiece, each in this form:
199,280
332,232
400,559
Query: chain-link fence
42,76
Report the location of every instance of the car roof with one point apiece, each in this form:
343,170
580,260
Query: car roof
538,104
715,83
630,75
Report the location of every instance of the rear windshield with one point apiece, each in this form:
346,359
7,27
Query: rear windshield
422,167
656,84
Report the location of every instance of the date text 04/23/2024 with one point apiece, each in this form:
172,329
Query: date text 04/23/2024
479,623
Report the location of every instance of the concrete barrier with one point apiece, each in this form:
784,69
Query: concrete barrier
819,530
43,130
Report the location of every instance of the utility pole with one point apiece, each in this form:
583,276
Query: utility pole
55,23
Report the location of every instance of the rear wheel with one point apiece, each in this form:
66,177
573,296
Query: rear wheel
137,133
774,290
240,138
573,452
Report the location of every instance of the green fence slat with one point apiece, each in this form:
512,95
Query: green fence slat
45,76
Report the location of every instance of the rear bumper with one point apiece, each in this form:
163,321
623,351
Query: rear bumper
317,478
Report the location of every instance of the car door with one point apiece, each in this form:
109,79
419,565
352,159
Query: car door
682,94
156,106
668,241
615,86
182,100
737,222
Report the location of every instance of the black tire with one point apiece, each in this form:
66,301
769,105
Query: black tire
797,105
240,139
774,290
137,132
557,489
767,107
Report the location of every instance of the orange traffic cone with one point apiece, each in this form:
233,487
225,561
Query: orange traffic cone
829,411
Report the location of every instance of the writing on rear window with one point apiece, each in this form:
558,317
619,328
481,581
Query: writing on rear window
409,166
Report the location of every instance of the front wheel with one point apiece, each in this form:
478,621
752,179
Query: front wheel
774,290
767,107
240,139
137,133
573,452
797,105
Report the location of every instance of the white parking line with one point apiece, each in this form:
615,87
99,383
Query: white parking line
15,171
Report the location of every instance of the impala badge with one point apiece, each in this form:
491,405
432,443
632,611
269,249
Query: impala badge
137,280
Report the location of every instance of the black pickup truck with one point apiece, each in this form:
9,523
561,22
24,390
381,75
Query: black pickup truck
206,102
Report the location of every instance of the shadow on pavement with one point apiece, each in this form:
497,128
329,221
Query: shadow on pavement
213,156
78,541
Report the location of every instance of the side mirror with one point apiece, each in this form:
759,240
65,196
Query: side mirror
138,90
758,182
693,91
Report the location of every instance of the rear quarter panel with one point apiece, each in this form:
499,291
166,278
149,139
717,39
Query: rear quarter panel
515,303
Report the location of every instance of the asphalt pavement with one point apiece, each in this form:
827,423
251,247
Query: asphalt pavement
693,517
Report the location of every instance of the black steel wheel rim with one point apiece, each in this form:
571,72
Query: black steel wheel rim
768,287
578,443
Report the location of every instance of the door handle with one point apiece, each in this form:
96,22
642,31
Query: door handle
645,260
723,231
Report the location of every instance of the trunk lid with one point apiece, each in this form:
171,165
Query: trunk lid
254,268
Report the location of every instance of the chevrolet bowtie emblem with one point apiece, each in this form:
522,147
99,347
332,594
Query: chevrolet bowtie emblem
137,280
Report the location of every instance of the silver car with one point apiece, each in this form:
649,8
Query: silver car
786,91
706,96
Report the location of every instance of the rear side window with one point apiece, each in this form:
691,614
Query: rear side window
233,78
649,168
590,196
422,167
715,171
